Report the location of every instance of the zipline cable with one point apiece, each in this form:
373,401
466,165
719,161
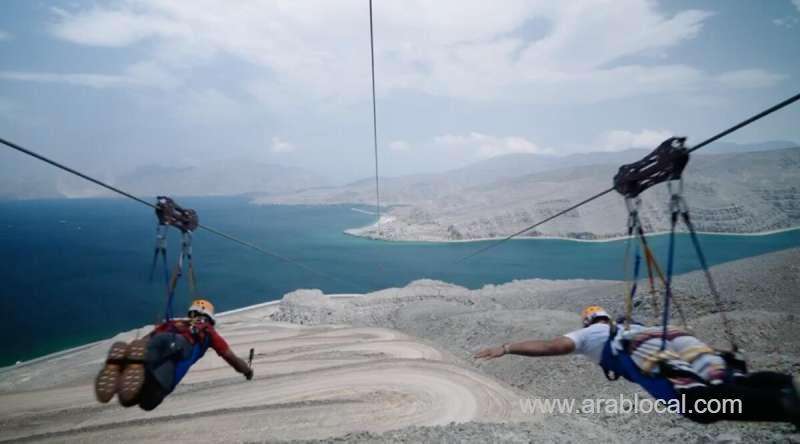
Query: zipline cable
714,138
205,227
560,213
75,172
374,120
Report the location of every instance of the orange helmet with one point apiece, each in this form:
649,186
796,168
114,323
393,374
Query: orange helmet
591,313
203,307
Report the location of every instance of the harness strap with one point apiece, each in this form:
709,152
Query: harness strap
187,251
609,371
648,259
711,285
160,250
674,211
173,283
634,225
186,254
652,262
171,214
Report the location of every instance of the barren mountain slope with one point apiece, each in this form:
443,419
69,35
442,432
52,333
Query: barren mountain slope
731,193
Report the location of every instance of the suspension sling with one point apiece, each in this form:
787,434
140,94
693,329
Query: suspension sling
636,233
186,220
679,210
666,164
164,209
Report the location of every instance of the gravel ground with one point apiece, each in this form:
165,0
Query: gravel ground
761,293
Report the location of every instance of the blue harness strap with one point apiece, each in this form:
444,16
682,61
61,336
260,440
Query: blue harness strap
198,350
621,364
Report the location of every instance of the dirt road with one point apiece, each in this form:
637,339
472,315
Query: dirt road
311,382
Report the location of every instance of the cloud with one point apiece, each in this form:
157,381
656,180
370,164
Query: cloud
787,22
465,49
5,35
485,146
281,146
151,74
210,107
114,27
399,145
142,74
618,140
91,80
750,78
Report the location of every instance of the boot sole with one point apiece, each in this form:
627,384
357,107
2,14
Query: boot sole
107,382
132,377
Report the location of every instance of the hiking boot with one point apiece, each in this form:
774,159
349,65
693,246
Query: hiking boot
131,380
791,402
796,417
107,382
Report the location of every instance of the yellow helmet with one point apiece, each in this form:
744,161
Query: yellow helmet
204,307
592,312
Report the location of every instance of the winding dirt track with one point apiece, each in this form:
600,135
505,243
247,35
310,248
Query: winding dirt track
311,382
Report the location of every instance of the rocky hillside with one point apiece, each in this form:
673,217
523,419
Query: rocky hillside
728,193
744,192
226,178
761,300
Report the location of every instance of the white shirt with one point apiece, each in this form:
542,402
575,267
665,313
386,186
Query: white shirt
590,341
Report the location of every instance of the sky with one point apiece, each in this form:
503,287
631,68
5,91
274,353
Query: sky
112,86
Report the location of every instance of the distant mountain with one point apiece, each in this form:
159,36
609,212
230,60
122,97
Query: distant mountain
223,178
413,189
231,177
738,191
728,147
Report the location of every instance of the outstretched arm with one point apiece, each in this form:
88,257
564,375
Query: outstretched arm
237,363
561,345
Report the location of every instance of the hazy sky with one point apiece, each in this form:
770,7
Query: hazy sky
115,85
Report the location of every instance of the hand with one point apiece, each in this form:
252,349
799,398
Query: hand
490,353
249,374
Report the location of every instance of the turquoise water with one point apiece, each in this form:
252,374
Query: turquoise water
74,271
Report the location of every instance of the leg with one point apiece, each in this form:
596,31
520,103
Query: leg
163,352
757,404
152,394
773,380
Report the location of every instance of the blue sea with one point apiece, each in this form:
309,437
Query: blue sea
75,271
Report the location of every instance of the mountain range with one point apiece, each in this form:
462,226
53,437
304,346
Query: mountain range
732,188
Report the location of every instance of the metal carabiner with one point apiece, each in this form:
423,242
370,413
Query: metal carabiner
633,204
677,204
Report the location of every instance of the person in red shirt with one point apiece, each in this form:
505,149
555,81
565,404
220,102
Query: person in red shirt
145,371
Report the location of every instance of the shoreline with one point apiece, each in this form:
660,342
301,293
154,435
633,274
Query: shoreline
350,232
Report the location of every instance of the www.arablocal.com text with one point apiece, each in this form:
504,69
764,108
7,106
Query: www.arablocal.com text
628,405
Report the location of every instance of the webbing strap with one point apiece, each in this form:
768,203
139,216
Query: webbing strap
648,259
160,250
652,262
711,285
173,283
634,225
668,285
629,302
187,251
186,254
